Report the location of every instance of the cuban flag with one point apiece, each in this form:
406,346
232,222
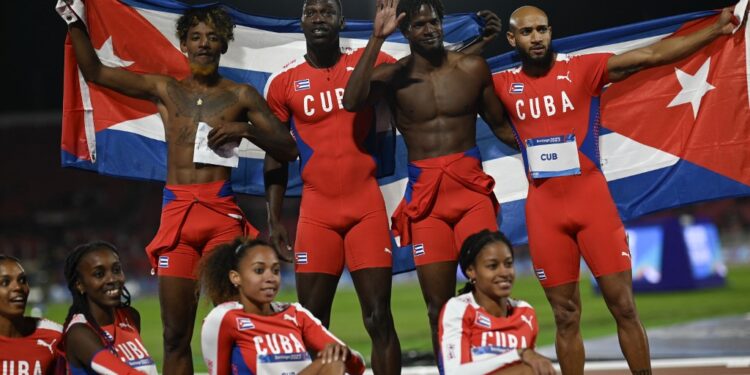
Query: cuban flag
671,136
112,134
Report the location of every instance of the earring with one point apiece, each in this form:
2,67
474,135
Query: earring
473,281
236,285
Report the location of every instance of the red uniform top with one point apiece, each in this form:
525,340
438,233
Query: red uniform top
236,342
473,341
564,101
125,340
33,354
330,139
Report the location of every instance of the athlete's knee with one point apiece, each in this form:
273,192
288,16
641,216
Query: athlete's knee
378,321
623,310
567,316
176,338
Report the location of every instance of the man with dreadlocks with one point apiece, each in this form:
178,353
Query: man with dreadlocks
436,95
199,210
102,330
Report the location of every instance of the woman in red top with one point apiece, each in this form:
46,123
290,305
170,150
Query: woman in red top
249,333
483,330
102,331
27,345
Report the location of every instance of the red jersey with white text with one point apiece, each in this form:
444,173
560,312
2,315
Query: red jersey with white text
556,119
236,342
123,337
31,355
468,333
334,162
564,101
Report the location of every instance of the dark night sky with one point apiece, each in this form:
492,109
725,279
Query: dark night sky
33,34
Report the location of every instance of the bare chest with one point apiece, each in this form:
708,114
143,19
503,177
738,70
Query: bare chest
449,92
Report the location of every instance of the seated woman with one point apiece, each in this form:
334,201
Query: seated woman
483,330
249,333
102,331
27,345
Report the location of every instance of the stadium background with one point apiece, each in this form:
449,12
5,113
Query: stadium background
46,210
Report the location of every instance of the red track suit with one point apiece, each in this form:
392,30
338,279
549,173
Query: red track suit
342,215
569,211
33,354
236,342
129,352
474,342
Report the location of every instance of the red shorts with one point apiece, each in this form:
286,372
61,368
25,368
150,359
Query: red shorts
334,231
573,216
449,199
195,219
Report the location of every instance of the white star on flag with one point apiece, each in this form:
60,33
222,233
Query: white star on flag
694,87
107,55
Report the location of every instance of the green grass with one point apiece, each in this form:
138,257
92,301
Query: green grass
411,319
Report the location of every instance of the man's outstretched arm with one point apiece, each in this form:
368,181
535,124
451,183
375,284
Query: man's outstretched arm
275,178
669,50
364,83
144,86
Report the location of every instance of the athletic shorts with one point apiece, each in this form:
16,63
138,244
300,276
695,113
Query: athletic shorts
195,219
343,230
448,199
573,216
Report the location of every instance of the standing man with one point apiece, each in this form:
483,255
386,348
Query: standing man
553,102
199,209
342,219
436,95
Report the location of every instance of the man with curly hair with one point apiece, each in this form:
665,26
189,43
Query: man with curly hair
199,210
436,95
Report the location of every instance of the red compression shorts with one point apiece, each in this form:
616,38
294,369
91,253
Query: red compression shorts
448,198
343,230
573,216
195,219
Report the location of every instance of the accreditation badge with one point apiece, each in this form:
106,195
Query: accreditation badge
553,156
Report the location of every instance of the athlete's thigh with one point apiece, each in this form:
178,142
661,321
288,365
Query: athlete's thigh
180,261
554,251
318,249
368,243
481,216
433,242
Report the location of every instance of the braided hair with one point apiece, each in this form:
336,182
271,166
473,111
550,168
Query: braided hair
80,302
214,268
471,248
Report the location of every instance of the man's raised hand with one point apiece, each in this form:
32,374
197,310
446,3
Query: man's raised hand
386,21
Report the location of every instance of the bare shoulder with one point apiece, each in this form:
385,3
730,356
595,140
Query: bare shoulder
80,333
468,62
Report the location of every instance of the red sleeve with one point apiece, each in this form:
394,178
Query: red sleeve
275,93
594,69
384,58
534,329
316,337
217,340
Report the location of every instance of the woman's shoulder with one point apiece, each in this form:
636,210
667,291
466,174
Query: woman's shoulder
222,310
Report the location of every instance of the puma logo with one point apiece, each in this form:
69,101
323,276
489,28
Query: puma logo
387,250
527,320
235,216
291,318
349,68
625,254
565,77
43,343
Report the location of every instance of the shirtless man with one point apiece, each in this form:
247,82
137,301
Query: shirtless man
199,211
586,222
436,95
